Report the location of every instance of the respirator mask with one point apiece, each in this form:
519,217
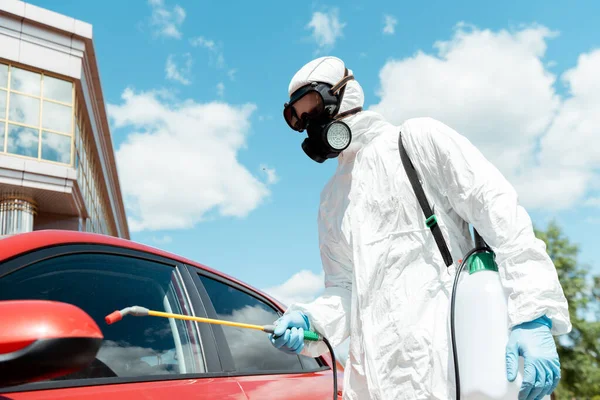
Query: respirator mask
315,107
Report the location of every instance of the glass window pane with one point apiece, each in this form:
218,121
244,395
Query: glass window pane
56,117
3,75
76,134
250,350
25,81
58,89
24,109
101,283
84,163
84,189
56,147
88,203
22,141
2,132
2,104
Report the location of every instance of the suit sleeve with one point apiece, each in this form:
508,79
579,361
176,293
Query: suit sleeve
329,314
483,197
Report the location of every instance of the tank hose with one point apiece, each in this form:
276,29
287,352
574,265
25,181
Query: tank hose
334,366
333,362
452,302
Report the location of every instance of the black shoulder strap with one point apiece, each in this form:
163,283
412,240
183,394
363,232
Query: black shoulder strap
430,218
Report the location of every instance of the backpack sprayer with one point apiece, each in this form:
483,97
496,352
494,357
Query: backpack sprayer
138,311
478,312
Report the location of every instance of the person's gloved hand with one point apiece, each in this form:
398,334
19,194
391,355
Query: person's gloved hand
289,330
535,343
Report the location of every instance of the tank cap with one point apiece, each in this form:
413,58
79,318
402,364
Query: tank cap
484,261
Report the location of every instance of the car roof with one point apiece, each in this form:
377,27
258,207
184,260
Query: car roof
15,245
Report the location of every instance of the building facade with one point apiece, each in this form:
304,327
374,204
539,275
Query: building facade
57,161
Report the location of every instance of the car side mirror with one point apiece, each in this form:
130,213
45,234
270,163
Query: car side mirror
41,340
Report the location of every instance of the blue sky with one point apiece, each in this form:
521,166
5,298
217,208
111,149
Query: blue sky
215,174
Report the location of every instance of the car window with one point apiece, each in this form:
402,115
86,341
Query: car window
250,349
102,283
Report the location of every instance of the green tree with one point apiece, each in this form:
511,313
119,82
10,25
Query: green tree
579,350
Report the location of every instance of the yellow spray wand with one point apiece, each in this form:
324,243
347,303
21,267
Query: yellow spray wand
144,312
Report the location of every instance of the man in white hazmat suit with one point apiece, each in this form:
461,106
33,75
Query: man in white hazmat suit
387,286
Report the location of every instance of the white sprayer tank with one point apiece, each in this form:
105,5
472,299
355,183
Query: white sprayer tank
481,333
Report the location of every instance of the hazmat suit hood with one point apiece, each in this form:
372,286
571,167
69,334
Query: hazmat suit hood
330,70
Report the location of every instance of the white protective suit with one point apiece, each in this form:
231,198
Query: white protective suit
386,284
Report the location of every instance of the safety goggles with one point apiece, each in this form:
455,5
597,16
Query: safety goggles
312,101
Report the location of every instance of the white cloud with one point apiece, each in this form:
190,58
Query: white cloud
593,221
215,50
593,202
270,173
570,147
231,73
203,42
220,89
389,23
179,162
302,287
326,28
175,73
494,88
167,22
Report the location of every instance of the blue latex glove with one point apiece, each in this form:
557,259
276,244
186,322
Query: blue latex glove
289,332
535,343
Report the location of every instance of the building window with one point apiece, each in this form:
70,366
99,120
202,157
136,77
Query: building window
36,115
89,176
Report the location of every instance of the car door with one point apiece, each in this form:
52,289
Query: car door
141,357
262,370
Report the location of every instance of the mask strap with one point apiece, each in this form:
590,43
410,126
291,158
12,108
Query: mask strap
342,83
348,113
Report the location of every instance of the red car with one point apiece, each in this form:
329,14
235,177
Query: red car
140,357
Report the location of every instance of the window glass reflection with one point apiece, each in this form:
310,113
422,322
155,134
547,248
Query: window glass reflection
3,75
100,283
58,89
56,147
2,104
83,188
251,350
2,132
25,81
24,109
84,164
56,117
22,141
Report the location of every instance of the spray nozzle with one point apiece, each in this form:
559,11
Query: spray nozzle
118,315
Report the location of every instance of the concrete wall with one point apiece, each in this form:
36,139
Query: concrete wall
52,48
55,221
